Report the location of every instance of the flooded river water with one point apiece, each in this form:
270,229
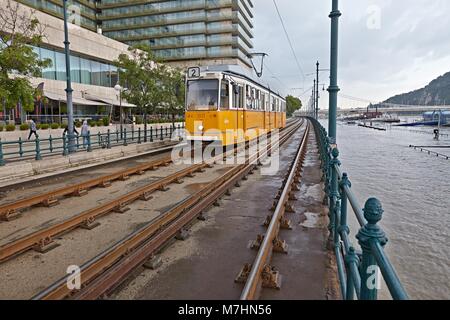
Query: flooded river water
414,188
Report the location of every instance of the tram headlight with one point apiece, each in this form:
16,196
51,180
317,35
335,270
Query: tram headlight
200,128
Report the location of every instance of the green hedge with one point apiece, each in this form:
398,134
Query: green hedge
54,125
45,126
100,123
63,126
78,124
24,127
10,127
105,121
1,127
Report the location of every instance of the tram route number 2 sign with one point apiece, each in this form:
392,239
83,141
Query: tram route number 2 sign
194,72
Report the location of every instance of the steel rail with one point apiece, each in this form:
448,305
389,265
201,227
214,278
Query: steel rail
44,237
265,251
11,210
104,272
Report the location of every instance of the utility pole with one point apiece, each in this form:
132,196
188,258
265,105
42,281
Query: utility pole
333,89
69,90
317,90
314,100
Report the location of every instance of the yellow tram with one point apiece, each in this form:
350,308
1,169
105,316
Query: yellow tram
226,105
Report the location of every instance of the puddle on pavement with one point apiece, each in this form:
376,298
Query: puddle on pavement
312,220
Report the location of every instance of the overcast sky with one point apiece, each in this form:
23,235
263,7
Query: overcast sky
386,46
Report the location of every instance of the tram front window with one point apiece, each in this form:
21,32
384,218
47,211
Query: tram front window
202,94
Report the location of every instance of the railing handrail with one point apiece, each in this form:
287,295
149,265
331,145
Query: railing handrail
355,269
18,148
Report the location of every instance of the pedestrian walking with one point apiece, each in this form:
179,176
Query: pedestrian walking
74,130
32,129
85,132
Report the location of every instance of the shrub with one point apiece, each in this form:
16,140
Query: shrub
100,123
92,123
1,127
44,126
10,127
105,121
78,124
54,126
63,125
24,126
38,126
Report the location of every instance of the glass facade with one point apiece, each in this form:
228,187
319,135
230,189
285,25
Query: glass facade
177,30
182,29
82,70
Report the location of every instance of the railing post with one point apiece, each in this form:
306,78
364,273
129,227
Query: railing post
369,270
38,149
132,134
2,160
108,146
117,135
89,146
20,147
125,137
333,195
145,131
50,141
99,139
350,259
161,134
151,134
139,135
344,182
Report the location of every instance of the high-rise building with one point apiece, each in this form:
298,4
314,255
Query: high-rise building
209,31
182,32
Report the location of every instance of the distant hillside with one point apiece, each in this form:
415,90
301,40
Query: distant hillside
437,92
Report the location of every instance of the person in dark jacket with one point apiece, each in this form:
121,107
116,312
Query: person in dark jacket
32,129
74,130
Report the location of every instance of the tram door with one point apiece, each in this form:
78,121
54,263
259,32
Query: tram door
238,104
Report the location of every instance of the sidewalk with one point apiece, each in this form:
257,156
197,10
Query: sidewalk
57,133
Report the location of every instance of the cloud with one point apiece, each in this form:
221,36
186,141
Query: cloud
408,50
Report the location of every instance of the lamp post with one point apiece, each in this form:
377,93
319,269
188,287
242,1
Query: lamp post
119,89
69,90
333,89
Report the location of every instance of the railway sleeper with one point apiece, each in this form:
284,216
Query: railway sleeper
80,192
164,188
153,263
10,215
289,207
50,202
271,278
122,208
45,245
243,274
146,196
89,224
105,184
182,234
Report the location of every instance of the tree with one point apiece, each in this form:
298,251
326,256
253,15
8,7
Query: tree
138,73
292,104
19,31
173,91
151,85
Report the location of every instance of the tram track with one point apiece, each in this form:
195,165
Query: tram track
261,273
103,273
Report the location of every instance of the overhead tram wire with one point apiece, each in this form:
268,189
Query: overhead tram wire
289,41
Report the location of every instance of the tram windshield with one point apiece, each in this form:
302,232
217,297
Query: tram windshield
202,94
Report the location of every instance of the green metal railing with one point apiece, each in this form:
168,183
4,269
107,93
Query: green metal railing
38,148
358,271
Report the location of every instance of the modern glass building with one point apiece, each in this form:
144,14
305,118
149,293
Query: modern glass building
183,30
179,31
82,12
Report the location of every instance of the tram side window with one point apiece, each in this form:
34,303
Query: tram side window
238,96
272,108
225,95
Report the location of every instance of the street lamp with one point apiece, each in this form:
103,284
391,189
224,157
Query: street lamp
69,90
119,90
